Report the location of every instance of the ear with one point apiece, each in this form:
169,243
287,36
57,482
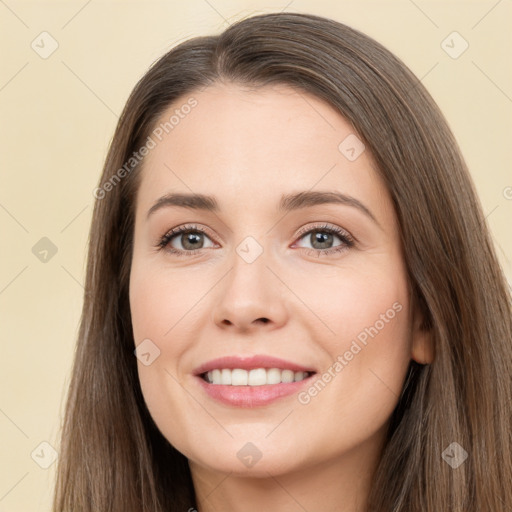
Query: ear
422,348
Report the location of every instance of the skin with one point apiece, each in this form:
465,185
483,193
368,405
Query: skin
247,147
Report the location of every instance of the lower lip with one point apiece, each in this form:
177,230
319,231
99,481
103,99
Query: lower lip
252,396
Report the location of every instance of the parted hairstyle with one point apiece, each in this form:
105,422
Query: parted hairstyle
112,455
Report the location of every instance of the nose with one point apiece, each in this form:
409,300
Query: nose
250,296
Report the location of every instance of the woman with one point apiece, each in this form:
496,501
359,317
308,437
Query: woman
210,372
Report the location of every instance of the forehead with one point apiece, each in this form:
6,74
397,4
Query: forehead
242,144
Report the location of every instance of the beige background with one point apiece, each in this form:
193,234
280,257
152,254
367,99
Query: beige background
58,116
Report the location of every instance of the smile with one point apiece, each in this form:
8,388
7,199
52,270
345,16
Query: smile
251,380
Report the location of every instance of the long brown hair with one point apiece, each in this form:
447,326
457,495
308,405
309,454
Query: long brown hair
113,457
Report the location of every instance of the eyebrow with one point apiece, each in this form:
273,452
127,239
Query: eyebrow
287,203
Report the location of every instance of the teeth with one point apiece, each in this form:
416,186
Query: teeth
225,376
256,377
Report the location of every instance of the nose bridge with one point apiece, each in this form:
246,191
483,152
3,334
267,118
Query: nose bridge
250,290
248,280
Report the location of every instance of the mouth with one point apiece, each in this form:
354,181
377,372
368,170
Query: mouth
252,381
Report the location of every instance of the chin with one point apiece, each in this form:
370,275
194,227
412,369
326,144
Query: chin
272,464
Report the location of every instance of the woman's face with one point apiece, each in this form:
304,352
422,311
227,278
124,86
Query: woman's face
317,282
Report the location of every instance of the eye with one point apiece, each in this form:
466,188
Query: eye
322,239
189,237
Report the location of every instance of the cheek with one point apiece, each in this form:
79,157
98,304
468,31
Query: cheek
158,301
157,305
369,346
356,300
367,363
147,299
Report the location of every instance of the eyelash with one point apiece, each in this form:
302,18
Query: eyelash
344,236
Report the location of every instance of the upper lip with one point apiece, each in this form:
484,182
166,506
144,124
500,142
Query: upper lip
250,363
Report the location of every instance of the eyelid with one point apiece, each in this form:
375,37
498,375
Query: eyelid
327,226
